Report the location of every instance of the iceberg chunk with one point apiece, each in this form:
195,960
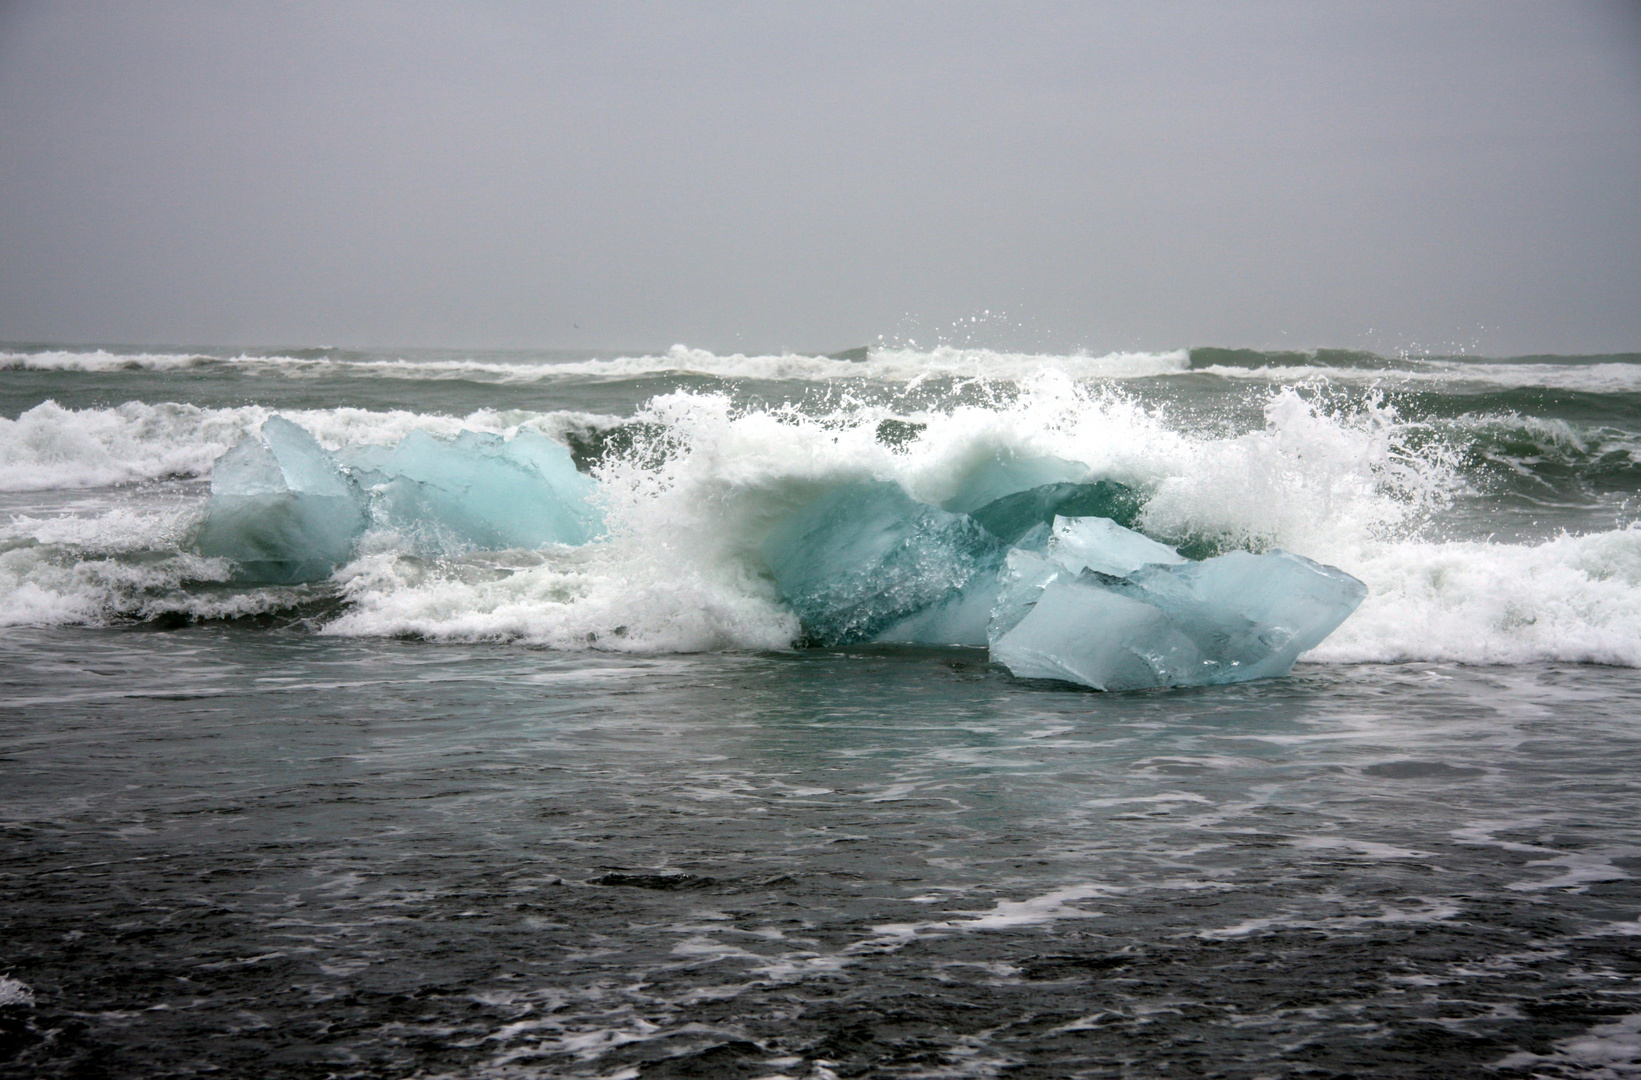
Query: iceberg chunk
868,562
478,491
280,508
286,511
1227,619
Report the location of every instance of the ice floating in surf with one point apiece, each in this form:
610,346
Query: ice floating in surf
1104,608
1085,600
480,491
867,562
280,508
284,510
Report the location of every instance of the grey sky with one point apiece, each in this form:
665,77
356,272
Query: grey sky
754,176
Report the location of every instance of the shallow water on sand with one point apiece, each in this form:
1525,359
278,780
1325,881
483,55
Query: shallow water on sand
256,851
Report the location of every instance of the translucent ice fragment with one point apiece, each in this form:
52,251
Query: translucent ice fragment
1080,632
868,562
1227,619
960,619
1021,582
280,508
478,490
1073,546
1100,544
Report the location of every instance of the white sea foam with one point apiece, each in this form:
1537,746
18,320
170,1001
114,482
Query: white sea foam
51,447
1610,1051
13,992
883,365
890,365
1573,598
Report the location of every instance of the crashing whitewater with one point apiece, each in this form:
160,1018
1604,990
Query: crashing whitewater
668,547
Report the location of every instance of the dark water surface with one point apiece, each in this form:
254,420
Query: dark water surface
252,851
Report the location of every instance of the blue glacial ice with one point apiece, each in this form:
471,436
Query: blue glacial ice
284,510
1108,608
280,508
478,491
867,562
1083,599
1073,545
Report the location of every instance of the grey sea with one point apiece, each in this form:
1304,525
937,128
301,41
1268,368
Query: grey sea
452,806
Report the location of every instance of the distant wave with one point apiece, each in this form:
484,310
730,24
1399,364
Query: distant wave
1597,374
1596,378
101,360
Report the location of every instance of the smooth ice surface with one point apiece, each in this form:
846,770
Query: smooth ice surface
1073,545
1101,545
1080,632
280,508
1228,619
869,560
284,510
478,491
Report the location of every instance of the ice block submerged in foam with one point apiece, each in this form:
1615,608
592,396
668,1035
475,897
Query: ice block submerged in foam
869,563
1083,612
478,491
280,508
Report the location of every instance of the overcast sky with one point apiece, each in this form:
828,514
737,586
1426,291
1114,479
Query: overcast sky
766,175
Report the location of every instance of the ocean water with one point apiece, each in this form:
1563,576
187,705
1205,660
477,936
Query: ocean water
593,812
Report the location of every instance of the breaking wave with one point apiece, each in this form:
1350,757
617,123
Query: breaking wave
693,483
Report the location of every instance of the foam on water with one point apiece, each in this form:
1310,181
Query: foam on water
1572,598
14,992
705,480
1609,1051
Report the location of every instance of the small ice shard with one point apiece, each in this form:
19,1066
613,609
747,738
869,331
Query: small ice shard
1164,623
280,508
478,491
868,562
1012,516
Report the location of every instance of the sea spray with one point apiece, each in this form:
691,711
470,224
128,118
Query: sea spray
103,499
